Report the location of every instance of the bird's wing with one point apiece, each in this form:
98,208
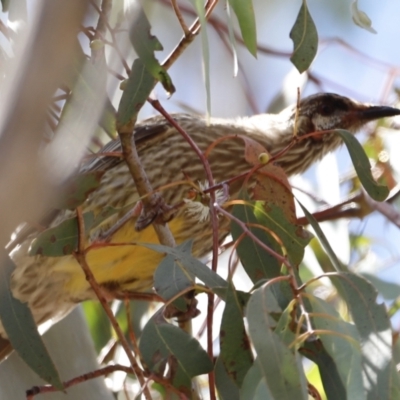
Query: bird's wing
143,131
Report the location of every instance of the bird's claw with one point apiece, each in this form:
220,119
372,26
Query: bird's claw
157,212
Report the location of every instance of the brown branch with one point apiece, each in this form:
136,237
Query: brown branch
178,14
113,37
98,52
80,256
214,221
151,200
31,393
187,39
250,234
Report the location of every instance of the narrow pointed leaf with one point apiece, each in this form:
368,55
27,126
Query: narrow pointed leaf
21,330
245,14
293,237
227,390
192,265
235,345
145,44
258,263
254,386
280,366
161,343
342,344
62,239
362,166
171,279
305,40
322,238
374,328
389,290
137,90
199,6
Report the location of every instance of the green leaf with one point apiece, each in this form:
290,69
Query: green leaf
78,189
331,379
262,392
389,290
257,262
280,366
161,343
145,44
342,342
293,237
5,4
395,384
245,14
189,264
108,119
254,385
305,40
362,166
137,90
21,330
62,239
171,279
374,328
232,40
322,238
98,324
227,390
199,6
284,326
235,345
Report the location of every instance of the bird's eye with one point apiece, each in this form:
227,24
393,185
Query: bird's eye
326,109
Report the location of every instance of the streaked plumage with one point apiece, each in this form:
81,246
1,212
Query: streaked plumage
52,286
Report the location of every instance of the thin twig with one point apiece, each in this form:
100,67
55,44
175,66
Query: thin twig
178,14
114,40
250,234
80,256
31,393
214,221
150,201
98,53
186,40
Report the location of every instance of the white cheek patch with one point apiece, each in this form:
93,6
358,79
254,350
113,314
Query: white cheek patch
323,123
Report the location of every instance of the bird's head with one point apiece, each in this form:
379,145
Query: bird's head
325,111
316,113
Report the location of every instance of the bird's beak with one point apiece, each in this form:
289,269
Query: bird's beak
371,113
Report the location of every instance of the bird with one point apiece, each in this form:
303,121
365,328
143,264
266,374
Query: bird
52,286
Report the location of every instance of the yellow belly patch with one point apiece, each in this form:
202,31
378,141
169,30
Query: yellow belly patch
128,264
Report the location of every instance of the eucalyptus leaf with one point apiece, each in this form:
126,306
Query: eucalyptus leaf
145,44
137,90
374,328
199,6
280,366
162,343
244,11
62,239
190,264
236,352
362,166
21,330
305,40
322,238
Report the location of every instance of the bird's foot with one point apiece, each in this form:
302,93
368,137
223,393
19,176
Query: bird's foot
156,212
